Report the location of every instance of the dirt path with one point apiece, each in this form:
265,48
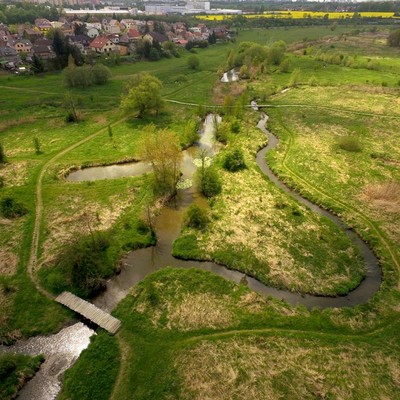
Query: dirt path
32,265
27,90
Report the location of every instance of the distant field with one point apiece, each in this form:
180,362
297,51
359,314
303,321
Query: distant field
302,15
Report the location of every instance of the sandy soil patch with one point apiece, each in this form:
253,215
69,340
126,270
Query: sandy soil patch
385,196
16,122
202,310
8,262
15,173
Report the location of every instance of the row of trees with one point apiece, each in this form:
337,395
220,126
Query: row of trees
23,12
252,56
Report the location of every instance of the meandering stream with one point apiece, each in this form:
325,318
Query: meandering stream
139,263
62,349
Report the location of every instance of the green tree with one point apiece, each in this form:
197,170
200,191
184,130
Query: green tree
37,64
294,78
394,38
195,217
69,104
193,62
161,148
285,65
36,145
277,52
209,182
207,177
234,161
144,95
229,104
101,74
60,47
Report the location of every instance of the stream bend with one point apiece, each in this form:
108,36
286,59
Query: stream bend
373,273
140,263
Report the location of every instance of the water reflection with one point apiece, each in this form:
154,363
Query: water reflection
60,350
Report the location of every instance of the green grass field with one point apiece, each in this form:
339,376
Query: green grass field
188,334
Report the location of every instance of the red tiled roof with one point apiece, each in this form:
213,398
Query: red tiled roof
133,33
99,42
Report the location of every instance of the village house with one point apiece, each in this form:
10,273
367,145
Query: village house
133,35
43,24
21,45
103,45
5,34
29,33
155,36
128,24
43,49
92,23
92,32
111,25
80,41
8,56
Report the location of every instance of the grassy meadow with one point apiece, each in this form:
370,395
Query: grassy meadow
189,334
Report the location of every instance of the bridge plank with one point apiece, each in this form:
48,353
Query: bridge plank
89,311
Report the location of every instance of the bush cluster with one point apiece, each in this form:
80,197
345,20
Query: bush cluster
209,182
82,266
196,217
349,143
234,161
11,209
86,75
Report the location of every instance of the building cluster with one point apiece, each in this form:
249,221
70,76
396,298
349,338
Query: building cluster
94,37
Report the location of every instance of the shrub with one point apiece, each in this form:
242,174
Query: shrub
349,143
313,81
235,126
285,65
193,62
234,161
86,75
181,78
36,145
210,183
12,209
195,217
2,154
101,74
222,132
294,78
82,266
394,38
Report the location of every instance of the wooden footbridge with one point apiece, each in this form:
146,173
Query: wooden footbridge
89,311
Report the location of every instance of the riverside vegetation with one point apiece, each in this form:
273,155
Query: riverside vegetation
190,333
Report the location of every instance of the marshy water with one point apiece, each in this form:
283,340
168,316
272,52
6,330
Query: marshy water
62,349
109,172
230,76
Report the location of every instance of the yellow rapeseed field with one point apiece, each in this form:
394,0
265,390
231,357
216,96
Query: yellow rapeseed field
302,14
